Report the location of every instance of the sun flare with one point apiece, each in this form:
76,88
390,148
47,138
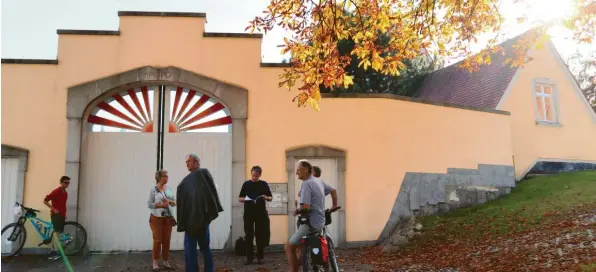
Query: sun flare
551,10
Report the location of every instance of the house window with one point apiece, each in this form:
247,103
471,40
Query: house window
544,94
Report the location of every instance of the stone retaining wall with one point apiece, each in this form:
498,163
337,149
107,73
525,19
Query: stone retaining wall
424,194
553,167
461,197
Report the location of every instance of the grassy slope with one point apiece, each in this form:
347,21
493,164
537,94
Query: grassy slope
533,202
502,235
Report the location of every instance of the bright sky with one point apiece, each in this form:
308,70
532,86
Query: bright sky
538,11
29,26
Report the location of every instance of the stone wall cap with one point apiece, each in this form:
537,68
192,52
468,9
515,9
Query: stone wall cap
87,32
232,35
30,61
275,65
163,14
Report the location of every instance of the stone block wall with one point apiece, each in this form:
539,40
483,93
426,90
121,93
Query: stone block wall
551,167
461,197
423,194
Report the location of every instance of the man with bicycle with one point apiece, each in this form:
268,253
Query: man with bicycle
312,202
58,198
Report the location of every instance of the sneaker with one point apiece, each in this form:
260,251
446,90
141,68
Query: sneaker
55,256
68,241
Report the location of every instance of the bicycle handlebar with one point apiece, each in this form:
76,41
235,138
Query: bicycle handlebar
302,216
304,212
25,208
334,209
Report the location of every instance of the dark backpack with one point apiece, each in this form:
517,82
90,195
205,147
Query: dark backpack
240,247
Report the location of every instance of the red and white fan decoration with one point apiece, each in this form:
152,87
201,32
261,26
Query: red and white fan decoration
129,111
194,112
132,111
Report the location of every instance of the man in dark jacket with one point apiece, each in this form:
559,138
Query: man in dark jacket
198,205
253,194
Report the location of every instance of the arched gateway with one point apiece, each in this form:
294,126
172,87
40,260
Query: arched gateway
131,130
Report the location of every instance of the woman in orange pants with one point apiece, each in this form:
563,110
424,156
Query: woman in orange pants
161,200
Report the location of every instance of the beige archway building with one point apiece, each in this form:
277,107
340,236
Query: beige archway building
117,105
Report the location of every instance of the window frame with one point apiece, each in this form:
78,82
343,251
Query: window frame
538,82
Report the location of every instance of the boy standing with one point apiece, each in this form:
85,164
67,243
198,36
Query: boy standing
58,198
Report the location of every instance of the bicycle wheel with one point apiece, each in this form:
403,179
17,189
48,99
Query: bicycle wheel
307,265
332,263
306,259
74,238
13,239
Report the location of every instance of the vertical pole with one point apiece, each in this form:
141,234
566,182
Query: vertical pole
160,125
64,258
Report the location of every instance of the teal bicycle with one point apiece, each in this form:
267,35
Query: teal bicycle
73,239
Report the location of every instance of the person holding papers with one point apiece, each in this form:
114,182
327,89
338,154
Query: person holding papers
253,194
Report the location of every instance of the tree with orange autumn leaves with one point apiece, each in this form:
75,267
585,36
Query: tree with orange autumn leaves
445,27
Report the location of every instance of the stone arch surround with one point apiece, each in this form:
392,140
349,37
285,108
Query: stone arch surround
82,97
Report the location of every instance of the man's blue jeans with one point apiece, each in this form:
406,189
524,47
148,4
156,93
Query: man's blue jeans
191,260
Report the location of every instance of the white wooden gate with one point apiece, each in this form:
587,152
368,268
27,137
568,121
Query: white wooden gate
118,171
198,124
329,175
214,151
124,147
10,171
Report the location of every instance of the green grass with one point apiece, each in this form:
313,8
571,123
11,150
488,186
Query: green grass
533,202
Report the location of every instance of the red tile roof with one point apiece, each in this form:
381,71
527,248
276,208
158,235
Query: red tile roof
482,88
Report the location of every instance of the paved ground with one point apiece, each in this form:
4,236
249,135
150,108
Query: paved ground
142,262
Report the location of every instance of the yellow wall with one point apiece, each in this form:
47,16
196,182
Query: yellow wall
383,138
574,140
33,112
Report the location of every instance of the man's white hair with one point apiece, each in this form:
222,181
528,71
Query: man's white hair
193,156
303,160
308,164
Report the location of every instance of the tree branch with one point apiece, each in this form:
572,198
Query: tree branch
359,15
